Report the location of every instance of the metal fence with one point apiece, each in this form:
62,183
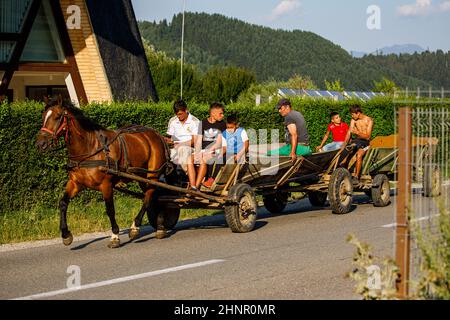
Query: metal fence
420,95
426,191
434,125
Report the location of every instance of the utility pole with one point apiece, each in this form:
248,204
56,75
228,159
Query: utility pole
182,50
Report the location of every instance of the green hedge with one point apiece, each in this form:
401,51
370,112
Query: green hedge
28,178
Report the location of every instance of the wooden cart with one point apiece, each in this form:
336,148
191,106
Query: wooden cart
236,186
380,168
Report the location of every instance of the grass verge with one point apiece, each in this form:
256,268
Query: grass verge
42,223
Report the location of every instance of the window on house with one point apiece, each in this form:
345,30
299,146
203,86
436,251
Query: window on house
12,16
6,50
43,43
37,93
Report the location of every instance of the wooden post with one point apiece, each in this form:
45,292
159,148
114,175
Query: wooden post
402,236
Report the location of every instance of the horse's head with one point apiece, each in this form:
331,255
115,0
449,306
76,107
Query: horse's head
55,121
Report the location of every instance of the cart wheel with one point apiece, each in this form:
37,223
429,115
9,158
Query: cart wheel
431,181
241,217
169,216
381,191
317,199
276,203
340,191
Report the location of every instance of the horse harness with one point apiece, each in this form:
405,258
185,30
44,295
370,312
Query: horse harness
112,164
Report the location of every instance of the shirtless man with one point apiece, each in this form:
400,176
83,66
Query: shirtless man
361,127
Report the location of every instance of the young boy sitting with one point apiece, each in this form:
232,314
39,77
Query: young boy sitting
235,142
235,145
339,131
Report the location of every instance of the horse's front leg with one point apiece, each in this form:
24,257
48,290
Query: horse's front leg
135,227
72,189
108,196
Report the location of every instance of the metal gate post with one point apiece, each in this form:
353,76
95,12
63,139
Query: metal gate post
402,236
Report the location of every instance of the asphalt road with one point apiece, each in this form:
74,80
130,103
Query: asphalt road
301,254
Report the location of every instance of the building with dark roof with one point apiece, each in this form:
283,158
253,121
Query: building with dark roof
86,50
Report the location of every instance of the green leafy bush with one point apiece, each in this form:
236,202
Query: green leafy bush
28,178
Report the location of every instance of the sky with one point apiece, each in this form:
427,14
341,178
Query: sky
355,25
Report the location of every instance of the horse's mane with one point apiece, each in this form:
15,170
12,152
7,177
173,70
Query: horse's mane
85,123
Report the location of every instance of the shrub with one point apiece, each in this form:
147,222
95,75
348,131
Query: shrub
28,178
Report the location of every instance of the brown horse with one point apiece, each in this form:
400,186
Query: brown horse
91,148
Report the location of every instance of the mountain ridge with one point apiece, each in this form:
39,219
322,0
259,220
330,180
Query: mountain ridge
396,49
213,39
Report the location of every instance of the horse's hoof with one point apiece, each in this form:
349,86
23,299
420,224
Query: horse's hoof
68,241
161,234
133,234
114,244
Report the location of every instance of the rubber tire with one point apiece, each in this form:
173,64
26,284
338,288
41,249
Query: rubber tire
431,181
339,177
381,190
317,199
171,215
275,203
233,213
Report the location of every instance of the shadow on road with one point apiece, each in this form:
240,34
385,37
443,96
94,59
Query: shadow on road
84,245
218,221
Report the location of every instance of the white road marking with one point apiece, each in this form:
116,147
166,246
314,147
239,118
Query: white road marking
392,225
120,280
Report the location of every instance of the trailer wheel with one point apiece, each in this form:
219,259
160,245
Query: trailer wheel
431,181
275,203
381,191
317,199
241,217
159,210
340,191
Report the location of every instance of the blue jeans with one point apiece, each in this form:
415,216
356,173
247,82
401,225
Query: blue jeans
332,146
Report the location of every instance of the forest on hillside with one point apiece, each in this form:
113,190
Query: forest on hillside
271,55
432,67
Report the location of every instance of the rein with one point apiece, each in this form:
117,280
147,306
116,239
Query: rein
63,125
66,123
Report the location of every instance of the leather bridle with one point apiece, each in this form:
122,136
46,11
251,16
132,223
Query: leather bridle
63,125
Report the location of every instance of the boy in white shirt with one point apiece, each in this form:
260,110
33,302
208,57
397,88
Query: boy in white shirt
181,129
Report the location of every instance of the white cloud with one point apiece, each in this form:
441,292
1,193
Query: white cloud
283,8
445,6
422,8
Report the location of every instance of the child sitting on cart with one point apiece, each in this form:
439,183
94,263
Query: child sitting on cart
235,142
338,129
235,145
